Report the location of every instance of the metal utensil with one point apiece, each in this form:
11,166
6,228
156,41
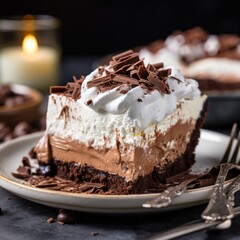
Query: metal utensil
219,207
200,224
166,197
193,226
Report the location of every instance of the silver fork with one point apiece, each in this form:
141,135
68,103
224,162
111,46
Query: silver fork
165,198
220,206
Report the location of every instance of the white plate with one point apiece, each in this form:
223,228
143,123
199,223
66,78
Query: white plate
208,153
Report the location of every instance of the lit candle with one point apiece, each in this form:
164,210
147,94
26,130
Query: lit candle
31,65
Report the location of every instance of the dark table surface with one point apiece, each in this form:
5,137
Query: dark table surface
23,220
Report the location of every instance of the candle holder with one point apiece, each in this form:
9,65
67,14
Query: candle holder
30,51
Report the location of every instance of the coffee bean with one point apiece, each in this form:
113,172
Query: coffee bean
66,216
22,128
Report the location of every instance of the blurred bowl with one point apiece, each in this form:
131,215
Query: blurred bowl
27,111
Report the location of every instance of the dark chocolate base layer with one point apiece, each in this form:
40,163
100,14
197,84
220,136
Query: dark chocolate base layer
115,184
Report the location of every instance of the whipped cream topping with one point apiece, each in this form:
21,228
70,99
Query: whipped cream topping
215,68
141,106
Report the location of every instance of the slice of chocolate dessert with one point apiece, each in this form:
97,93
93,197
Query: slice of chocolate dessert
213,60
127,126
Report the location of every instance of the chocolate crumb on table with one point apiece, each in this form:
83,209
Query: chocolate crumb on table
50,220
95,233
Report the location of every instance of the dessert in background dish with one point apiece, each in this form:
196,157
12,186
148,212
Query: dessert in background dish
213,60
19,103
127,126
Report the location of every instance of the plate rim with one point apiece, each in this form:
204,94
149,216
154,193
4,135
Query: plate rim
84,196
39,133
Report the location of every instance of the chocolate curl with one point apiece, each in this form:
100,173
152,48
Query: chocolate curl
128,68
57,89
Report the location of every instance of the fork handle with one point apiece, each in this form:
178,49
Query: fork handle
166,197
219,207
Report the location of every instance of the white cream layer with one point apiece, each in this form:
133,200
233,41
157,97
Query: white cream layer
215,68
100,129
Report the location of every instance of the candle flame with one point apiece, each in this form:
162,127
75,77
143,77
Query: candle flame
30,44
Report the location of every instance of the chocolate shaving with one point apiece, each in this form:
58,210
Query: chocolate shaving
142,72
21,175
25,162
72,89
123,54
90,187
124,79
124,69
164,73
57,89
158,65
127,68
98,81
130,60
158,84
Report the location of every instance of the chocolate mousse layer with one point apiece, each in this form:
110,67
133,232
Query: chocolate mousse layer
116,184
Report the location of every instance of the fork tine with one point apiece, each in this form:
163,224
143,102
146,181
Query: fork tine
228,150
235,153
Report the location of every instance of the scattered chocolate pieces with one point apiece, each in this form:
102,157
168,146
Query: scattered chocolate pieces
24,171
1,213
9,99
25,162
8,132
72,89
60,184
66,216
127,68
123,69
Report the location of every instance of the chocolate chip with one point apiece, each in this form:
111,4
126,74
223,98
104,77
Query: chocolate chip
66,216
1,213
